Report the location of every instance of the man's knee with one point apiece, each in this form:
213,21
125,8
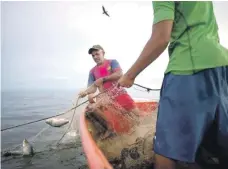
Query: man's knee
162,162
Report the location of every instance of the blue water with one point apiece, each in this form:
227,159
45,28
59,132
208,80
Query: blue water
25,106
19,107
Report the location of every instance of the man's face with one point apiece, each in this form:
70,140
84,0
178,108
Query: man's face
98,56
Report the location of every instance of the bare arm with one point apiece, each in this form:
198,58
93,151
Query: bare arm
157,43
91,89
115,76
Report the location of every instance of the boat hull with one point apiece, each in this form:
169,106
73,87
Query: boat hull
129,149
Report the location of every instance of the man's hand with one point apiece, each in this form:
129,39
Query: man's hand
83,94
91,98
99,82
91,108
125,81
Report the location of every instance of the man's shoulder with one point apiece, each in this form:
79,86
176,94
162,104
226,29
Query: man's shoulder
92,70
112,60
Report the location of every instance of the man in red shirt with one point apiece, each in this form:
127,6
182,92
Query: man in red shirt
104,76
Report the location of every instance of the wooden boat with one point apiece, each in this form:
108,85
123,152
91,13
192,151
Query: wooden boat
125,150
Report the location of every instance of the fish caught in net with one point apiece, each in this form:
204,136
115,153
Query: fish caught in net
54,137
48,138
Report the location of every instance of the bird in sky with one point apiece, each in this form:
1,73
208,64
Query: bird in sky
105,12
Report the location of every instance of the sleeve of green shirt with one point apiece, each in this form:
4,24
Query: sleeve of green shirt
163,10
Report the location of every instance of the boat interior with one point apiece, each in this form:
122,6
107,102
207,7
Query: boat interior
133,149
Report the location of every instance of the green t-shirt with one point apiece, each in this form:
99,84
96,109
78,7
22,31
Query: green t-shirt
194,43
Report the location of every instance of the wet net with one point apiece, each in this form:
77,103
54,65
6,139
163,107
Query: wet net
134,129
50,141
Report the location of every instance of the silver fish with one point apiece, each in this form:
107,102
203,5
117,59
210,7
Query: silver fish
27,148
57,122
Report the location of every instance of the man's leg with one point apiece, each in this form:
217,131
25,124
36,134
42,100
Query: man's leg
101,119
109,132
100,112
129,107
186,110
216,140
162,162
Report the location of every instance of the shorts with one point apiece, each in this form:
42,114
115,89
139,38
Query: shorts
192,109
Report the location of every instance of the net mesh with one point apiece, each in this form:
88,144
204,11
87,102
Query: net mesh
54,139
132,143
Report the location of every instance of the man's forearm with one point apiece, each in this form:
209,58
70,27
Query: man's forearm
114,76
91,89
153,48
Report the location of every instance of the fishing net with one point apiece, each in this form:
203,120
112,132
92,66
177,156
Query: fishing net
55,141
133,133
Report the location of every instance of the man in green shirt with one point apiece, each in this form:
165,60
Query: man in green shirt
194,95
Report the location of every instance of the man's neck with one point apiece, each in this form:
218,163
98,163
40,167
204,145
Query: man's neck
101,62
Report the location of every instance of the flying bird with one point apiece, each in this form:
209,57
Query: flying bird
105,12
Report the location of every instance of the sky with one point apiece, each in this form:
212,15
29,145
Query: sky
44,45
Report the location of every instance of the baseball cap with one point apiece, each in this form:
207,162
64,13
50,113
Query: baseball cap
95,47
